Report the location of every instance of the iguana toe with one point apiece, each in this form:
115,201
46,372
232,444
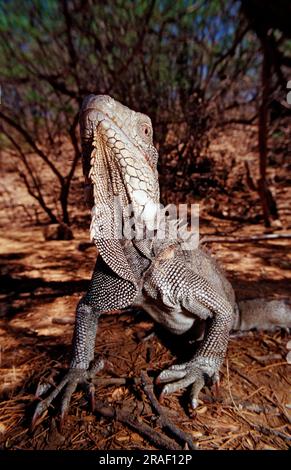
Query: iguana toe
69,383
198,372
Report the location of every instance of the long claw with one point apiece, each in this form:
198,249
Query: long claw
44,404
195,390
217,384
40,409
92,397
71,387
41,389
63,419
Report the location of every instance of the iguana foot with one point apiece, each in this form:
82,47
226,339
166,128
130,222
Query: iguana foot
69,383
198,372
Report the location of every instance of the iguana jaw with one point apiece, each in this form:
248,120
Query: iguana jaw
122,162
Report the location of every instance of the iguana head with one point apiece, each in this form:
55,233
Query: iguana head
119,157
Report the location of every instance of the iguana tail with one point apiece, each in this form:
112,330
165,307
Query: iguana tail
262,314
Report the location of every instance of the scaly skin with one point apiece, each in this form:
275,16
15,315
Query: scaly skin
174,285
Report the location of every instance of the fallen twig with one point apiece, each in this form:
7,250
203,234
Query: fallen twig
165,420
116,381
63,321
268,431
151,434
250,239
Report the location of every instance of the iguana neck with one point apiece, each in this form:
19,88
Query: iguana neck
122,170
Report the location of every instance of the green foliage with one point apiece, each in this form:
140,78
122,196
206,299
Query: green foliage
145,53
167,58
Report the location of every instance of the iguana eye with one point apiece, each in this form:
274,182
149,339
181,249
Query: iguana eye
146,131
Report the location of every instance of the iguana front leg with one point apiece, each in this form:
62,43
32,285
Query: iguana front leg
82,367
106,292
186,295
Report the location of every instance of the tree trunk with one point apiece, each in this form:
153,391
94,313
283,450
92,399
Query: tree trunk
64,203
267,200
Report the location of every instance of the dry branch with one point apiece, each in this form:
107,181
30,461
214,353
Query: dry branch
123,416
165,420
250,239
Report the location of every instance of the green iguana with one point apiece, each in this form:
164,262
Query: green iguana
176,285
